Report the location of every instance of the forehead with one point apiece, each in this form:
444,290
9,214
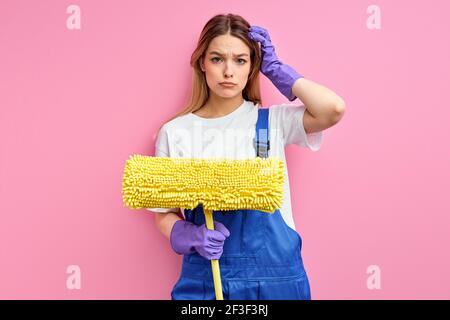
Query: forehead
228,44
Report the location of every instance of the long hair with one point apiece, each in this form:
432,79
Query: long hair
219,25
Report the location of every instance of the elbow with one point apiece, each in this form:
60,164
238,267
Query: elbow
338,111
159,217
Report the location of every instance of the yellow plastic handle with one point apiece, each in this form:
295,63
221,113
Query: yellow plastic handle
214,263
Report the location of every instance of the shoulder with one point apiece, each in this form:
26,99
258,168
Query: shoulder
284,114
177,123
276,109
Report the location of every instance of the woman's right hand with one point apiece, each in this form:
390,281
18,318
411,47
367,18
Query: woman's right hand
187,238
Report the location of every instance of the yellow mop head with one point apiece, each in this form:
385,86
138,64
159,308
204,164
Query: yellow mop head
219,184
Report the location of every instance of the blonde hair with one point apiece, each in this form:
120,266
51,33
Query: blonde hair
219,25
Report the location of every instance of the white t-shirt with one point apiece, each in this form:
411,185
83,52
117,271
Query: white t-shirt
231,137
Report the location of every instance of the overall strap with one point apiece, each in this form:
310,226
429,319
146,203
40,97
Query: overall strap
261,141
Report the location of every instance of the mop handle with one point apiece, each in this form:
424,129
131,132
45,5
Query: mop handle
214,262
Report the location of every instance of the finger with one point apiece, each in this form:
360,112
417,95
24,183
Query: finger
216,242
220,227
216,236
256,37
265,43
216,255
212,246
214,250
261,31
219,240
257,28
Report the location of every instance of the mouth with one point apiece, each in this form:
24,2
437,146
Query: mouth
227,84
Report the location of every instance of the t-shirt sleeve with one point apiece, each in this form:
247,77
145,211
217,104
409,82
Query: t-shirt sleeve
290,119
162,143
162,150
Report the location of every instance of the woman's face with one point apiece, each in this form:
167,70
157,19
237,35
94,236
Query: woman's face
227,59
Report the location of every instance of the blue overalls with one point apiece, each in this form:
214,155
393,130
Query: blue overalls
261,258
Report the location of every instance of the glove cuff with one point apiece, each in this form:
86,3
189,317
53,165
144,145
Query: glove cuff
284,78
179,237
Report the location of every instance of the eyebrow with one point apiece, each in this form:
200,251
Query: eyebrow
236,55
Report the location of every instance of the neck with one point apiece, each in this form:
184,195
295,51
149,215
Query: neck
217,106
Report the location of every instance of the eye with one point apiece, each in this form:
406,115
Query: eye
243,60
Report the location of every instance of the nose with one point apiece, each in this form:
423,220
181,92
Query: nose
228,70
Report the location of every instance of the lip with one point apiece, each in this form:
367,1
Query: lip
227,84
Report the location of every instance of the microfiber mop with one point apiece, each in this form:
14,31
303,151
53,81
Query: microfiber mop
217,184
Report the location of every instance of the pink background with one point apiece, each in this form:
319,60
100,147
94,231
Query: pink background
76,103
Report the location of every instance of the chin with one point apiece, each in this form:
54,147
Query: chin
228,96
228,93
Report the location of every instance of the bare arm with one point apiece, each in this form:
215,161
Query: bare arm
165,221
324,108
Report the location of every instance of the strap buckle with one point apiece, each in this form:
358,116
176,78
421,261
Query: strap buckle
262,149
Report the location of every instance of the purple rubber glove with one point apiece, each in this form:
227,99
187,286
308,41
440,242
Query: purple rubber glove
282,75
187,238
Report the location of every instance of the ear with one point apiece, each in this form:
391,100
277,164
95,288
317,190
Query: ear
201,65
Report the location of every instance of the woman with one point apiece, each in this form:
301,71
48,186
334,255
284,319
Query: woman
260,253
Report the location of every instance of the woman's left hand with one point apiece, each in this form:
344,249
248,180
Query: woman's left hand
282,75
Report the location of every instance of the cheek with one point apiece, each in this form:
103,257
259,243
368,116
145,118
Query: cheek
245,74
212,71
246,70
